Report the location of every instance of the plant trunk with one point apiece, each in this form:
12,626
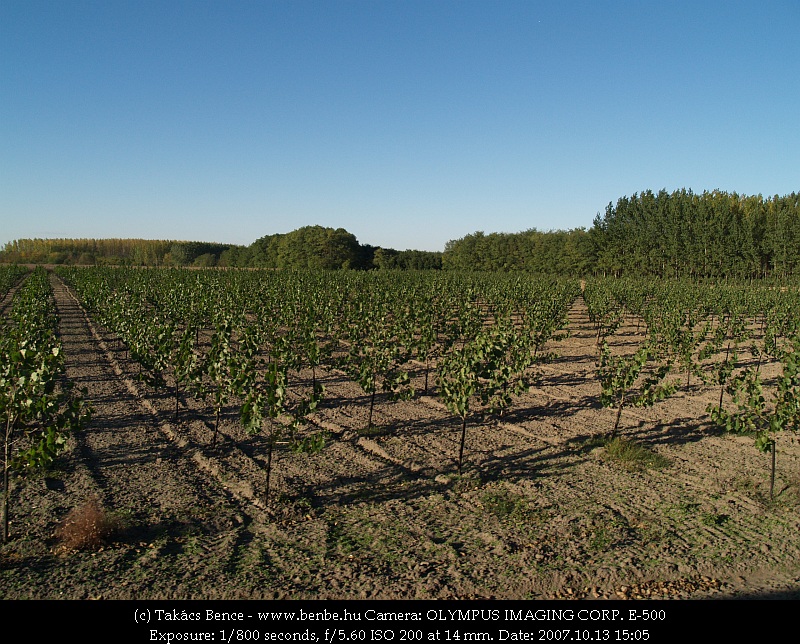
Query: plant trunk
269,469
5,501
722,387
6,477
216,428
619,417
772,474
371,406
463,440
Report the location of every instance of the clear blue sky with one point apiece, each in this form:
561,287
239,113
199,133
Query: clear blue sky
409,123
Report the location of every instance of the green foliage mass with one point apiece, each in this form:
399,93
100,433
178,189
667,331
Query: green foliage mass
679,234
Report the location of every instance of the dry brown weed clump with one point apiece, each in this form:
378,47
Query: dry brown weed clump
87,526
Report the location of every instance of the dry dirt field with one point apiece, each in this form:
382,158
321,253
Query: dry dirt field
540,511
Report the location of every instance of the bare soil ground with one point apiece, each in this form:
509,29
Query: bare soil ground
539,512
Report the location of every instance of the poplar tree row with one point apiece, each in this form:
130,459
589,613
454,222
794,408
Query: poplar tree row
714,235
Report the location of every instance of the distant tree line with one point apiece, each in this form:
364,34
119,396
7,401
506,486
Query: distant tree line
679,234
123,252
317,247
713,234
309,247
558,252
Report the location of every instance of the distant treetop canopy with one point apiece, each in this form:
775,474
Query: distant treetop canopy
309,247
679,234
125,252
